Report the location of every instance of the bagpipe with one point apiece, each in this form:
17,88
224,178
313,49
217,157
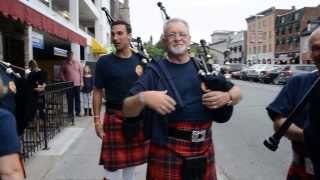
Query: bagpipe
210,77
17,98
214,81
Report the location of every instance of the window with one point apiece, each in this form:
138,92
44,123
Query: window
270,35
264,24
264,48
270,48
283,30
283,41
282,20
290,39
297,27
296,16
290,28
277,41
277,20
46,2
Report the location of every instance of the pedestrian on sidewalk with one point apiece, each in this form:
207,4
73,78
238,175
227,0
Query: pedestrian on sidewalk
71,70
181,113
301,167
88,83
37,79
116,73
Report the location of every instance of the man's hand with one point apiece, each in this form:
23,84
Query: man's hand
99,129
294,133
215,99
159,101
12,87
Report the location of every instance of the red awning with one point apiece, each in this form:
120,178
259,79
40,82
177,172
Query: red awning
19,11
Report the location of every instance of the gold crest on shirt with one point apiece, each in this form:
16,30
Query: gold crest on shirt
139,70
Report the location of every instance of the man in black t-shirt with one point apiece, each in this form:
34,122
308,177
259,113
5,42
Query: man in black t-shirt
182,112
116,73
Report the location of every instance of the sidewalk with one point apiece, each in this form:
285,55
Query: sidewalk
73,155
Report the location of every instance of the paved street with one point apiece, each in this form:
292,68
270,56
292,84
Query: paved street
240,154
239,149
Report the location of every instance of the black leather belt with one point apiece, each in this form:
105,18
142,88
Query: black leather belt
193,136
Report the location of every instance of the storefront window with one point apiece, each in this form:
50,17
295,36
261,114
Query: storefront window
46,2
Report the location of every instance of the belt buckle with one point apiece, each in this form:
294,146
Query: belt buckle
198,135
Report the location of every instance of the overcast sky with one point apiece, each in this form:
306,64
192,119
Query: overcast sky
203,16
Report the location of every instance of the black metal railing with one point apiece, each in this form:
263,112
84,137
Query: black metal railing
50,118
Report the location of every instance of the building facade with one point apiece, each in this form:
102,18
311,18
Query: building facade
46,29
237,47
261,35
220,40
289,28
120,10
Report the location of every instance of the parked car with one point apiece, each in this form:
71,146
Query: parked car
244,73
231,67
271,75
257,70
294,69
237,74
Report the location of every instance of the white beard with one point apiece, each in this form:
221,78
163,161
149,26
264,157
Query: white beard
178,50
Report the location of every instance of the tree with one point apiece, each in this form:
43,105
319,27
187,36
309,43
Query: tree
155,51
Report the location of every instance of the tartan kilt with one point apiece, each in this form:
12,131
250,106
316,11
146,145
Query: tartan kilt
165,162
297,169
117,152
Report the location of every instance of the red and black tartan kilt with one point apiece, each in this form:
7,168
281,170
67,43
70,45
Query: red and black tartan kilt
117,152
165,162
297,169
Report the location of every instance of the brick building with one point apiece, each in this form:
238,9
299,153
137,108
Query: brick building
289,28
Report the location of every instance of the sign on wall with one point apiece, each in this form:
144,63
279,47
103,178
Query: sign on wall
37,40
59,52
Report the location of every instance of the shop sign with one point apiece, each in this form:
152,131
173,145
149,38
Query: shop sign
59,52
37,40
